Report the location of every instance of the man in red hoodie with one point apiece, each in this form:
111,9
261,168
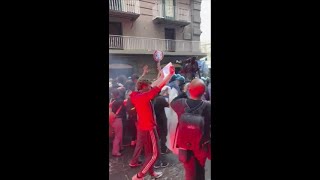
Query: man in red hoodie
146,126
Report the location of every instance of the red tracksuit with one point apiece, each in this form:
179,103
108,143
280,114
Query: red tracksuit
146,127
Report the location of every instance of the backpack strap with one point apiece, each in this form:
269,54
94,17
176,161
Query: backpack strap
201,108
111,103
195,110
119,110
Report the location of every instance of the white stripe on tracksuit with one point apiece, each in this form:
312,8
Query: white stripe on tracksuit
155,152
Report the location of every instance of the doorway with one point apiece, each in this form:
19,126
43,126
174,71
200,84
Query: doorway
170,37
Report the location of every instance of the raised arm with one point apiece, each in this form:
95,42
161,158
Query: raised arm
159,69
145,71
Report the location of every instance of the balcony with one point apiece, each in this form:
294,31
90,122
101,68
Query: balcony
174,15
129,9
143,45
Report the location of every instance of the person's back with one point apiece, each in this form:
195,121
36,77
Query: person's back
181,105
117,103
194,158
160,103
117,107
132,113
144,109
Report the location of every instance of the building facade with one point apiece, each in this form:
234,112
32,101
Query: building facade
206,48
139,27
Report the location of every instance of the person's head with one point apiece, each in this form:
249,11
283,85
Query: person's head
193,59
130,85
180,80
173,78
114,83
196,88
122,79
143,85
115,93
134,78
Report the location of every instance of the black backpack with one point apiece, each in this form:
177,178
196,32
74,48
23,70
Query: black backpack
191,127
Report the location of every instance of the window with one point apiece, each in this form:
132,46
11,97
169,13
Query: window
169,8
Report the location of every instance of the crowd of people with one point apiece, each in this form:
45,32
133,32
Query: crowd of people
153,113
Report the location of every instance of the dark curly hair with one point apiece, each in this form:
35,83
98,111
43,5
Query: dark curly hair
122,79
115,93
134,77
130,85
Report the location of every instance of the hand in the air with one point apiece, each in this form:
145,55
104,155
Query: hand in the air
145,69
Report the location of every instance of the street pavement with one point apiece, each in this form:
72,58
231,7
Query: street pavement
120,170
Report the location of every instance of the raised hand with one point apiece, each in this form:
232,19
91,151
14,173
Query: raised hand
145,69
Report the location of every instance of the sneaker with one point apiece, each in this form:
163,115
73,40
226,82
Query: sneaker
157,165
164,164
156,175
135,177
135,165
117,155
165,151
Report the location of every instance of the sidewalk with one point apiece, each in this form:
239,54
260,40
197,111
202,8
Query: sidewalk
120,170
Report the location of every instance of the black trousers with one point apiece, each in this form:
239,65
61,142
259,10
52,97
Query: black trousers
132,128
162,131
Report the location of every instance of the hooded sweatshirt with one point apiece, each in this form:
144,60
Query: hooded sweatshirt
145,112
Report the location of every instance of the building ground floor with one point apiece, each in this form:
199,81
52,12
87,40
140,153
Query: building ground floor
122,64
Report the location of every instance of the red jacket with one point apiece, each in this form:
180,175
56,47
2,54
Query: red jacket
144,108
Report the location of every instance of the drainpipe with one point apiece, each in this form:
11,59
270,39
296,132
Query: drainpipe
191,15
